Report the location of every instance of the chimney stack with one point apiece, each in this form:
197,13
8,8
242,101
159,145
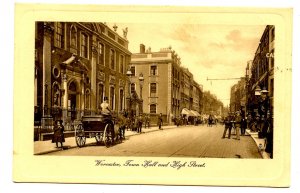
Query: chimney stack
142,48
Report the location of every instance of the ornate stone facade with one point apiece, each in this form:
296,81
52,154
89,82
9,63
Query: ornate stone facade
77,64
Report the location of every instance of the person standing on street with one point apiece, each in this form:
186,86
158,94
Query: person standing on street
147,121
58,135
269,136
160,121
228,126
139,124
243,126
238,120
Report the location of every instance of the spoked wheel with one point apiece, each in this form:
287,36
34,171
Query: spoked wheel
80,136
108,135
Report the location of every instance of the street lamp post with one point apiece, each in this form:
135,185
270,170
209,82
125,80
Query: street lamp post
262,104
141,79
257,96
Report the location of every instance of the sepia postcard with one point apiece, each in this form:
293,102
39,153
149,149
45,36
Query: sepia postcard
152,95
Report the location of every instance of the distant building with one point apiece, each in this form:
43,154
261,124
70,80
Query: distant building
262,69
211,105
238,96
168,87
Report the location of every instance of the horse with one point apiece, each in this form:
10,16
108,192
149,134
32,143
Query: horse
120,126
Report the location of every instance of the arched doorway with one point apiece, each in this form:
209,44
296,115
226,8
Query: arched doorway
72,102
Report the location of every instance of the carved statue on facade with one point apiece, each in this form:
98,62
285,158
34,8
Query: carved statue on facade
125,31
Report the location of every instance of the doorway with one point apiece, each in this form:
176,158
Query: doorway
72,111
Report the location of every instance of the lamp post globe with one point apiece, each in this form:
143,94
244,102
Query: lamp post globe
257,91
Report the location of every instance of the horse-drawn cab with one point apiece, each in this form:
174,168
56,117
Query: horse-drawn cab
102,128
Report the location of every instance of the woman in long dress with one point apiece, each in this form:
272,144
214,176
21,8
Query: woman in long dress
58,135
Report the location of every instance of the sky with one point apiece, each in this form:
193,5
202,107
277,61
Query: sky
208,51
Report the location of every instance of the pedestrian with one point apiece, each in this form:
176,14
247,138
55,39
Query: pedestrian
249,121
58,135
147,121
238,120
160,121
228,126
269,136
243,126
210,120
178,121
134,123
140,124
122,122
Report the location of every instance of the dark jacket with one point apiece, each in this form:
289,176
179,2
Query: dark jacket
238,120
228,122
160,120
58,135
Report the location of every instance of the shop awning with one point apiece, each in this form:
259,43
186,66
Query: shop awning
196,114
187,112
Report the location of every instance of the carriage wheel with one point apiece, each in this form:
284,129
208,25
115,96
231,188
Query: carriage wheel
80,136
107,135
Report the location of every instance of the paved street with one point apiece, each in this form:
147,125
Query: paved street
186,141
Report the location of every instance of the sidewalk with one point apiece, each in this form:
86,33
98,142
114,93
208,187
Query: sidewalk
260,144
43,147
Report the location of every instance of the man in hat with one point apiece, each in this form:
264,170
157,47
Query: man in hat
228,125
106,112
238,120
160,121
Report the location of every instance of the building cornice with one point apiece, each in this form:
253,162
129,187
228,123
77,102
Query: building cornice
107,39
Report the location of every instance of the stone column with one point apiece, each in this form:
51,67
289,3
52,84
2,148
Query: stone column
93,103
47,121
48,31
65,96
82,95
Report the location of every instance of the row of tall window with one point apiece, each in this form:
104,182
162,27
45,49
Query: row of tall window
112,96
59,41
153,70
112,99
153,89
